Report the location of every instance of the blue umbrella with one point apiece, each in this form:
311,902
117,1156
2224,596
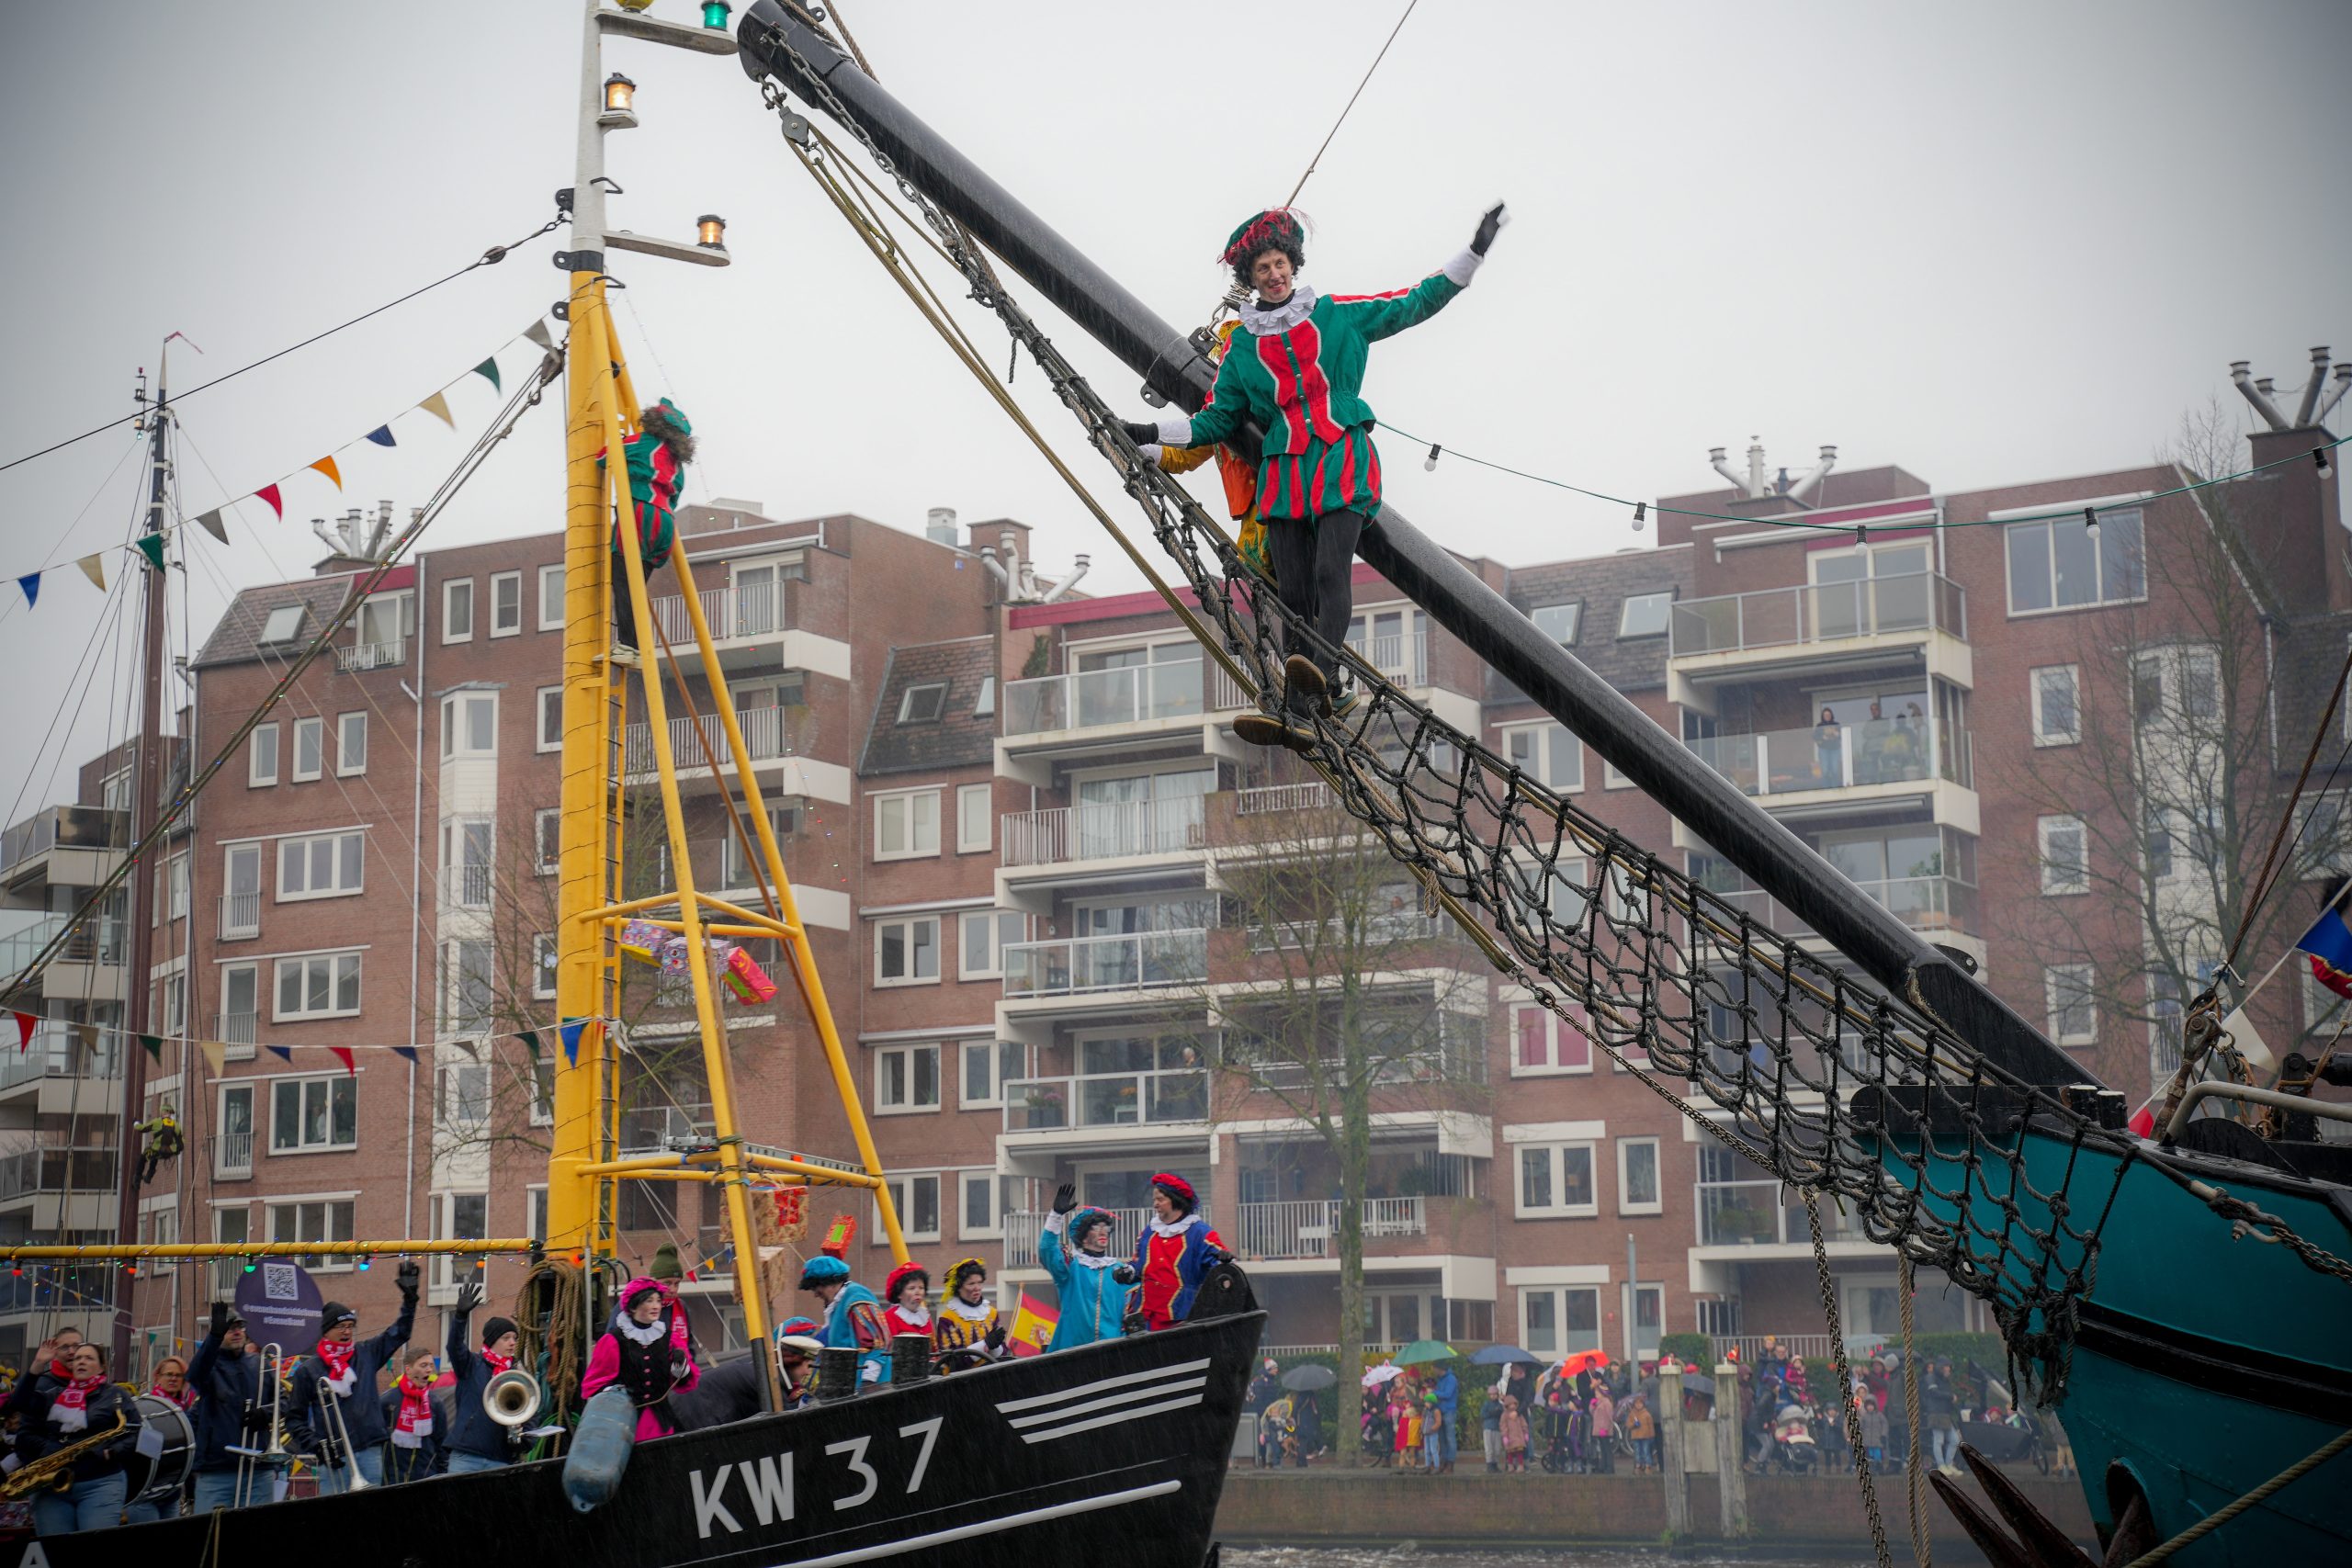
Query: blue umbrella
1504,1356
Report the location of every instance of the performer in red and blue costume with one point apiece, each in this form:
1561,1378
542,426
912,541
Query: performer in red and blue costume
1299,375
1174,1251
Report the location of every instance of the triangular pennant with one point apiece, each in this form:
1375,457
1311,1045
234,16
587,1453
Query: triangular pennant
95,569
572,1029
30,583
153,1045
276,503
537,332
350,1062
326,466
405,1052
383,435
283,1053
25,1022
85,1035
464,1043
152,547
530,1040
210,523
439,407
489,368
216,1053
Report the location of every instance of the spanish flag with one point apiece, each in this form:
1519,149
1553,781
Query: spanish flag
1032,1327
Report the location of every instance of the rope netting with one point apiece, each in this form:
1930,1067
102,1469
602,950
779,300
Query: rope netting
1815,1076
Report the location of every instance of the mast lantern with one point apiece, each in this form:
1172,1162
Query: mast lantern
710,228
619,93
714,14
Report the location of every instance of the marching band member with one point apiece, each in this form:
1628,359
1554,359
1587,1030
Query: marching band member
967,1319
413,1451
170,1382
61,1411
343,1370
852,1317
1075,1248
475,1441
1174,1251
906,1291
644,1350
227,1381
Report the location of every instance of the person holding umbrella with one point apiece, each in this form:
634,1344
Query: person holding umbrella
1448,1395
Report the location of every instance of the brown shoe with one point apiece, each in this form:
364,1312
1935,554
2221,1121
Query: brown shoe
1266,730
1305,676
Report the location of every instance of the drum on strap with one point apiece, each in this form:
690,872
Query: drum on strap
159,1467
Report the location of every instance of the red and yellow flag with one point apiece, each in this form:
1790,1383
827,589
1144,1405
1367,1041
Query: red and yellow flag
1032,1327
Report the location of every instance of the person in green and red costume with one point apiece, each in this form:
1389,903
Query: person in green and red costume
1300,377
656,457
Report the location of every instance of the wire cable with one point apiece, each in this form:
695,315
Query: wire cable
1377,59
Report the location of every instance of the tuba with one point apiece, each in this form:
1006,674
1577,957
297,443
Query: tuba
512,1400
53,1471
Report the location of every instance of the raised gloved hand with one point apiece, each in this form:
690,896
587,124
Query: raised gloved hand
1066,1198
408,1276
469,1296
1142,434
1124,1274
1489,227
220,1315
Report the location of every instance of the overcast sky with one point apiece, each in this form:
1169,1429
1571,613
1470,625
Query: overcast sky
1989,242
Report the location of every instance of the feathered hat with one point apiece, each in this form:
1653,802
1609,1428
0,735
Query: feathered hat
957,1275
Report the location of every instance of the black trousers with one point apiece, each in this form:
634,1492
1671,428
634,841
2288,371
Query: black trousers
1312,563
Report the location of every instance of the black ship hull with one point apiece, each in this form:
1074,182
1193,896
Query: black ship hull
1113,1453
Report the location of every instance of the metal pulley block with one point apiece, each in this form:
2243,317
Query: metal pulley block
797,129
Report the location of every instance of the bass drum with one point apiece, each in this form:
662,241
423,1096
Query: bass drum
159,1467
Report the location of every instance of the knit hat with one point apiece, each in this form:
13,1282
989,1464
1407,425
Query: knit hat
822,1270
1180,1191
333,1312
496,1329
957,1275
665,1264
1279,228
1084,1220
899,1277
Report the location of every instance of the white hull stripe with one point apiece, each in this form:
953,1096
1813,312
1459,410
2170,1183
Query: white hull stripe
1074,1428
1157,1391
986,1526
1176,1369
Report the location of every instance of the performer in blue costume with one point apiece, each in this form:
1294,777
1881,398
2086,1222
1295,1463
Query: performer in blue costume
852,1316
1076,1250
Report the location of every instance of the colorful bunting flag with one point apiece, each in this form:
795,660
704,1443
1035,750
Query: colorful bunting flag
269,493
216,1054
439,407
530,1039
537,332
572,1029
153,1045
284,1054
30,583
464,1043
25,1021
85,1036
383,435
489,367
344,1054
152,547
326,466
405,1052
95,569
210,523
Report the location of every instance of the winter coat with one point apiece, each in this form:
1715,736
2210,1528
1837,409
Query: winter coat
1449,1396
472,1431
1093,1304
854,1322
35,1399
1514,1427
1170,1260
363,1415
639,1363
654,481
406,1463
224,1385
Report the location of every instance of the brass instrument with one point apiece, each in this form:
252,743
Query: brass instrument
512,1400
53,1471
337,1438
269,1392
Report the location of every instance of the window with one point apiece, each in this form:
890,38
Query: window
458,610
466,993
307,1115
2057,704
1558,622
543,967
468,725
1645,614
324,1221
906,953
1546,753
2066,990
982,1215
542,1108
456,1216
975,822
465,1095
351,744
922,704
906,825
1542,1041
310,749
1559,1321
325,985
2065,850
550,718
547,835
239,1009
988,1066
385,622
232,1146
2064,564
284,625
174,1012
505,602
1610,778
2177,686
906,1077
981,938
1555,1181
984,705
261,756
551,598
917,1199
1625,902
171,889
1638,1190
2156,835
321,865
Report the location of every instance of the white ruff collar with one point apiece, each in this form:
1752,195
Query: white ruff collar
919,1316
969,1313
1279,319
1096,1260
1176,1227
644,1333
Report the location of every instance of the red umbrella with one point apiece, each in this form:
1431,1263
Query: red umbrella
1583,1361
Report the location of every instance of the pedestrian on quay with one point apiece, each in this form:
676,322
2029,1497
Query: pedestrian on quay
1641,1430
1490,1424
62,1410
1448,1390
1604,1431
1514,1427
412,1444
333,1408
1939,1412
475,1441
1873,1422
1310,1428
227,1381
1408,1424
1379,1436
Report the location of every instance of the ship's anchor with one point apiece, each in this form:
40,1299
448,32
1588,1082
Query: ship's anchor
2038,1542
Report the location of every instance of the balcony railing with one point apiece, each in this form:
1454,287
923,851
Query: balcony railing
765,735
92,942
1751,1214
65,827
1106,1099
235,1028
240,915
1926,904
371,656
86,1168
1839,756
1812,1347
466,887
1103,830
1402,656
755,611
1310,1227
232,1155
654,1128
1132,693
1267,799
53,1053
1820,611
1406,925
1106,962
1022,1225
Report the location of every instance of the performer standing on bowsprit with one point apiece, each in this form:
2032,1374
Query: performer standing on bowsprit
1173,1251
333,1393
1300,377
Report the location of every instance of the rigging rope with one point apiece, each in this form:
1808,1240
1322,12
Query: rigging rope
1312,163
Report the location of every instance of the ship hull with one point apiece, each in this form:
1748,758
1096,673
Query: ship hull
1113,1453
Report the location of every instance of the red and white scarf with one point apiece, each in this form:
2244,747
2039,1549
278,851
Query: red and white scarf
70,1409
498,1363
415,1420
338,1357
183,1399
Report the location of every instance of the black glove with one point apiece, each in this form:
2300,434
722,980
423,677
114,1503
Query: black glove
1124,1274
1219,1255
409,1275
469,1296
1140,433
1066,1198
1133,1323
255,1419
1489,227
220,1315
994,1340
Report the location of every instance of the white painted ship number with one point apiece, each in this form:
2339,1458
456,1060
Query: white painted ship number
767,1481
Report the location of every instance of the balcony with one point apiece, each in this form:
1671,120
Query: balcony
1173,689
1137,962
1938,907
1081,1102
53,1076
86,967
1911,605
240,916
658,1129
233,1156
1309,1228
1757,1214
1369,941
1269,800
1778,764
466,887
1022,1227
1112,830
53,1188
97,834
235,1029
730,613
1402,656
364,656
767,736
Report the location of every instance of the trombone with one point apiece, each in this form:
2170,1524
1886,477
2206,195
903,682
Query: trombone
269,1393
337,1438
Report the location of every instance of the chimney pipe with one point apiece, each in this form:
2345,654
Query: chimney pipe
2343,384
988,559
1067,584
2255,392
939,525
1812,479
1755,466
2311,388
326,536
1715,461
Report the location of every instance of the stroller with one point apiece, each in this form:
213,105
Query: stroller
1557,1424
1793,1448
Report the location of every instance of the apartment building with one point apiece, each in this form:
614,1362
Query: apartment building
1065,920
